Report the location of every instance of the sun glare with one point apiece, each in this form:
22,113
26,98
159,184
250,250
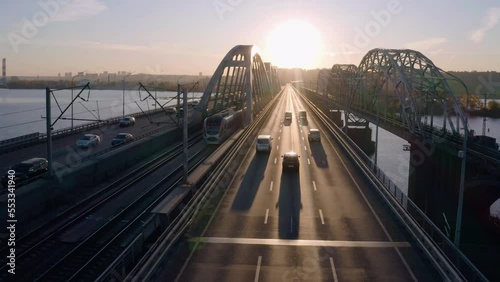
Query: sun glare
294,44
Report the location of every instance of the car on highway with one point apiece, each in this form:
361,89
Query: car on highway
314,135
24,171
88,140
264,143
288,115
302,115
127,121
180,112
171,110
291,161
121,138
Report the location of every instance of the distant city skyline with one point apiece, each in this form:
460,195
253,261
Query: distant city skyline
48,37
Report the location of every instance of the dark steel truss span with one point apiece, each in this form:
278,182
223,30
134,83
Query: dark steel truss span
400,86
239,82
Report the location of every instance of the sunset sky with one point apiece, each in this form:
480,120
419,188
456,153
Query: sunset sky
47,37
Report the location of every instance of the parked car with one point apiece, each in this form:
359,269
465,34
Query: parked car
291,161
264,143
25,170
314,135
122,138
88,140
127,121
171,110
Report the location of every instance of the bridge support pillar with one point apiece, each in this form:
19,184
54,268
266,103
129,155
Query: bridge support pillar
434,180
362,136
336,117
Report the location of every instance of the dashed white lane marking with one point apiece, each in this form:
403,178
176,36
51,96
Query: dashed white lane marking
314,186
271,187
335,278
257,272
275,160
321,216
278,147
305,148
308,161
267,215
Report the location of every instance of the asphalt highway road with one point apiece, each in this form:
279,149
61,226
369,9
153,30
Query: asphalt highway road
321,223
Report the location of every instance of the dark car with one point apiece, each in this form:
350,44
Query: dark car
121,138
314,135
127,121
25,170
291,161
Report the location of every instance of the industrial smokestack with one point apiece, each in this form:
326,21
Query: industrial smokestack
4,68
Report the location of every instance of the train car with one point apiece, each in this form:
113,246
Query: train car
217,128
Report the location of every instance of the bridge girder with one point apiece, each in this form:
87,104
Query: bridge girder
342,81
412,82
240,81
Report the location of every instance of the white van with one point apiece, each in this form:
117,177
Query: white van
264,143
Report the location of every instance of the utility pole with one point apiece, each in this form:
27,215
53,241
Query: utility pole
484,117
185,134
49,131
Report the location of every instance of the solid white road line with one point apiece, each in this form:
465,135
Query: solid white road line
257,272
310,243
335,278
314,186
271,187
321,216
267,214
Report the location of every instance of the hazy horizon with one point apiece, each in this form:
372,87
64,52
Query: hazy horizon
49,37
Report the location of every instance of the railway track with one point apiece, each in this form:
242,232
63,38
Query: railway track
37,249
87,260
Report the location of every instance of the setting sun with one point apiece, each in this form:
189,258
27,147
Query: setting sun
294,44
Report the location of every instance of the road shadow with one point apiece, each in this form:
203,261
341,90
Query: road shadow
251,182
319,155
289,205
303,122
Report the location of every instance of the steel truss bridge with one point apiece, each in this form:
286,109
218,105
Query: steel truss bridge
402,86
241,81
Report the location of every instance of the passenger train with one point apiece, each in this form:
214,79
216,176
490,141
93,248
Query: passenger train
217,128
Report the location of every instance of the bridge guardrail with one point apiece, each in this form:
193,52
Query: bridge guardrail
448,259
